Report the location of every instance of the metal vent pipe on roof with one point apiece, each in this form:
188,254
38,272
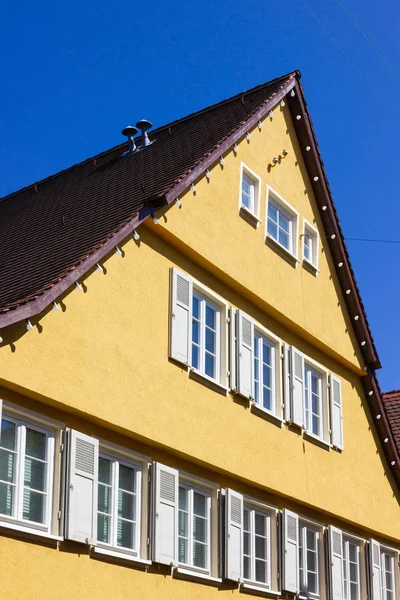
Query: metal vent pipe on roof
130,133
144,126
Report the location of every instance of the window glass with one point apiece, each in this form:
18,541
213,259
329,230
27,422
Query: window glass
205,336
248,192
24,472
279,225
264,365
387,573
117,518
313,400
193,527
309,557
308,246
256,527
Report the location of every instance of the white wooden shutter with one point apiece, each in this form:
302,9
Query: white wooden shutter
375,569
181,316
232,348
297,385
81,493
336,558
287,383
290,545
234,534
336,412
245,347
166,495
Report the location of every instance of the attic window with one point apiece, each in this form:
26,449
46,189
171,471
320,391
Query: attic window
310,247
249,196
282,223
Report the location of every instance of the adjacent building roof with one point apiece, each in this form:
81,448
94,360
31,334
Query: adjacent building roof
391,402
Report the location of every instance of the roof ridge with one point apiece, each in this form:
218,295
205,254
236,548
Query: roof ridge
153,132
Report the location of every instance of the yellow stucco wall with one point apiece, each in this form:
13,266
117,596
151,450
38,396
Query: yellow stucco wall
104,359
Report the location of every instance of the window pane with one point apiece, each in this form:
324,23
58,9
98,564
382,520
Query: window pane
196,307
182,548
210,316
311,540
183,524
261,549
315,404
35,474
283,222
199,504
35,444
260,525
104,470
7,461
126,506
267,376
311,561
6,499
195,356
283,239
199,555
315,425
126,478
183,498
246,568
103,529
104,499
353,591
272,229
199,529
353,552
246,543
210,340
8,434
210,365
267,399
272,212
33,506
126,534
312,583
261,571
195,332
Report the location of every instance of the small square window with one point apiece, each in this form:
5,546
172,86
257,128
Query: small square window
310,245
282,222
249,198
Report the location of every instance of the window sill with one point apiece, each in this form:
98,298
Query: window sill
30,532
206,380
284,251
259,589
119,555
249,216
266,414
310,267
189,574
314,438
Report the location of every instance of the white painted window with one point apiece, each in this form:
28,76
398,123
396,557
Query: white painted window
249,198
198,334
26,472
194,527
206,320
264,372
312,401
256,546
282,222
310,245
309,559
351,569
118,510
387,575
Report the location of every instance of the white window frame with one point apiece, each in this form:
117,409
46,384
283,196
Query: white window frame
276,396
116,460
254,210
309,371
349,539
274,198
196,485
53,430
325,414
265,511
305,524
313,232
204,300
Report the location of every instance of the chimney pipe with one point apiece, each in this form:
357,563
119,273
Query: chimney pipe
130,132
144,125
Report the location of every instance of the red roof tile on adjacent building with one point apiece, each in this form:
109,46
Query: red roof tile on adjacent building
391,402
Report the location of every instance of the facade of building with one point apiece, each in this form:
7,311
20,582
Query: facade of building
189,404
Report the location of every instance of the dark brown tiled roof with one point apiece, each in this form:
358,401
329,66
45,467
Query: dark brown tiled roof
49,228
391,402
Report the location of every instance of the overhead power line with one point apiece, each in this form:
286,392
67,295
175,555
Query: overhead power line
372,240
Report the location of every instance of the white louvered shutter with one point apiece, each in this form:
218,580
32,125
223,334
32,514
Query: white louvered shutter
336,412
232,348
181,316
375,569
81,493
287,382
297,384
234,534
290,544
165,528
1,412
336,558
245,355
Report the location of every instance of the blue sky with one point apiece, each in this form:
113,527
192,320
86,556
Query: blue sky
73,74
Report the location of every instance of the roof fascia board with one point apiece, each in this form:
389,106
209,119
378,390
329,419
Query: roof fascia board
226,145
306,136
